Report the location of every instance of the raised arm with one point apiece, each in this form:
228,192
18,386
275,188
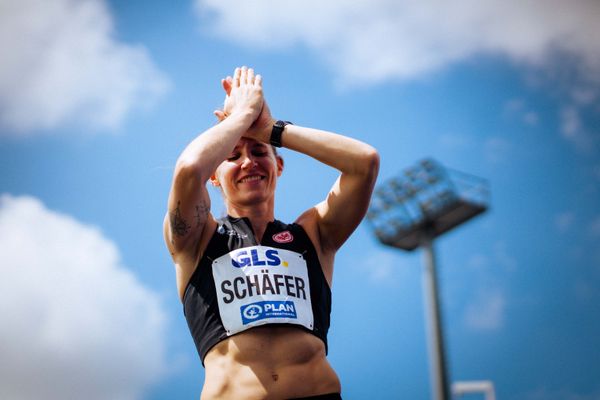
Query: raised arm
339,214
334,219
189,202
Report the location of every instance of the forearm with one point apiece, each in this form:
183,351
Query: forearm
347,155
336,217
209,149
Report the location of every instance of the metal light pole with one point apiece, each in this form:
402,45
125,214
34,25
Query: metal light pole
437,355
410,211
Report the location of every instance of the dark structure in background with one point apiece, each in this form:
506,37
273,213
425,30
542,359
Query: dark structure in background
410,211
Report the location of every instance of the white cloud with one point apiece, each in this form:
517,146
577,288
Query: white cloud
61,64
75,322
486,312
373,40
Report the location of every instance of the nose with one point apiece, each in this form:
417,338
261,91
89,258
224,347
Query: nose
248,162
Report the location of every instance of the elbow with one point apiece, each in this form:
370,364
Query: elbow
372,156
370,163
187,168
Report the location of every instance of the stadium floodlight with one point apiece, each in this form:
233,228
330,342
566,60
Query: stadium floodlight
410,211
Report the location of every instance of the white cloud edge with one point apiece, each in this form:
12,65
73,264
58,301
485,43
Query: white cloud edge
373,41
67,69
103,340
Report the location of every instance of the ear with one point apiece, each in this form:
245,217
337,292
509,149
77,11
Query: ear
279,160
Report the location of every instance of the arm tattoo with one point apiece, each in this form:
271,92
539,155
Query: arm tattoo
178,225
201,214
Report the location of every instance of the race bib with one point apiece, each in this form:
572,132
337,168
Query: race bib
260,285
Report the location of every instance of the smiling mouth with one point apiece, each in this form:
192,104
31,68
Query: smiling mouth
251,178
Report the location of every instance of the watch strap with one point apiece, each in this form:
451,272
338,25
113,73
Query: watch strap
277,131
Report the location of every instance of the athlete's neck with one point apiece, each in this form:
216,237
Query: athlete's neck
259,216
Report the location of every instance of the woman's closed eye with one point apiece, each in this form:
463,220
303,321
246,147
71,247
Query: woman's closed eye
259,153
256,152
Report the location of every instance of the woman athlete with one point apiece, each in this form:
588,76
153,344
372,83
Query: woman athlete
255,290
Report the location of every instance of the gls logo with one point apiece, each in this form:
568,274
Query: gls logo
254,258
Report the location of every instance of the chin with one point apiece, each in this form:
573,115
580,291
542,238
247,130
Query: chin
254,198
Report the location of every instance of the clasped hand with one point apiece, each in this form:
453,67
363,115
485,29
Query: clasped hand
244,94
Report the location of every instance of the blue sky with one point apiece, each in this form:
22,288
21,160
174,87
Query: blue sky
97,99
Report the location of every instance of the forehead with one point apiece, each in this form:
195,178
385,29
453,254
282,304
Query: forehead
247,142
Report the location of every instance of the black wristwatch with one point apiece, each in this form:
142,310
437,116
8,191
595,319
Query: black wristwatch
277,131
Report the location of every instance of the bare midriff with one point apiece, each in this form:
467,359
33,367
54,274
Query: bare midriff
269,362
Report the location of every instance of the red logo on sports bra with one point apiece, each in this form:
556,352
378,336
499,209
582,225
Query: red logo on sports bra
283,237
